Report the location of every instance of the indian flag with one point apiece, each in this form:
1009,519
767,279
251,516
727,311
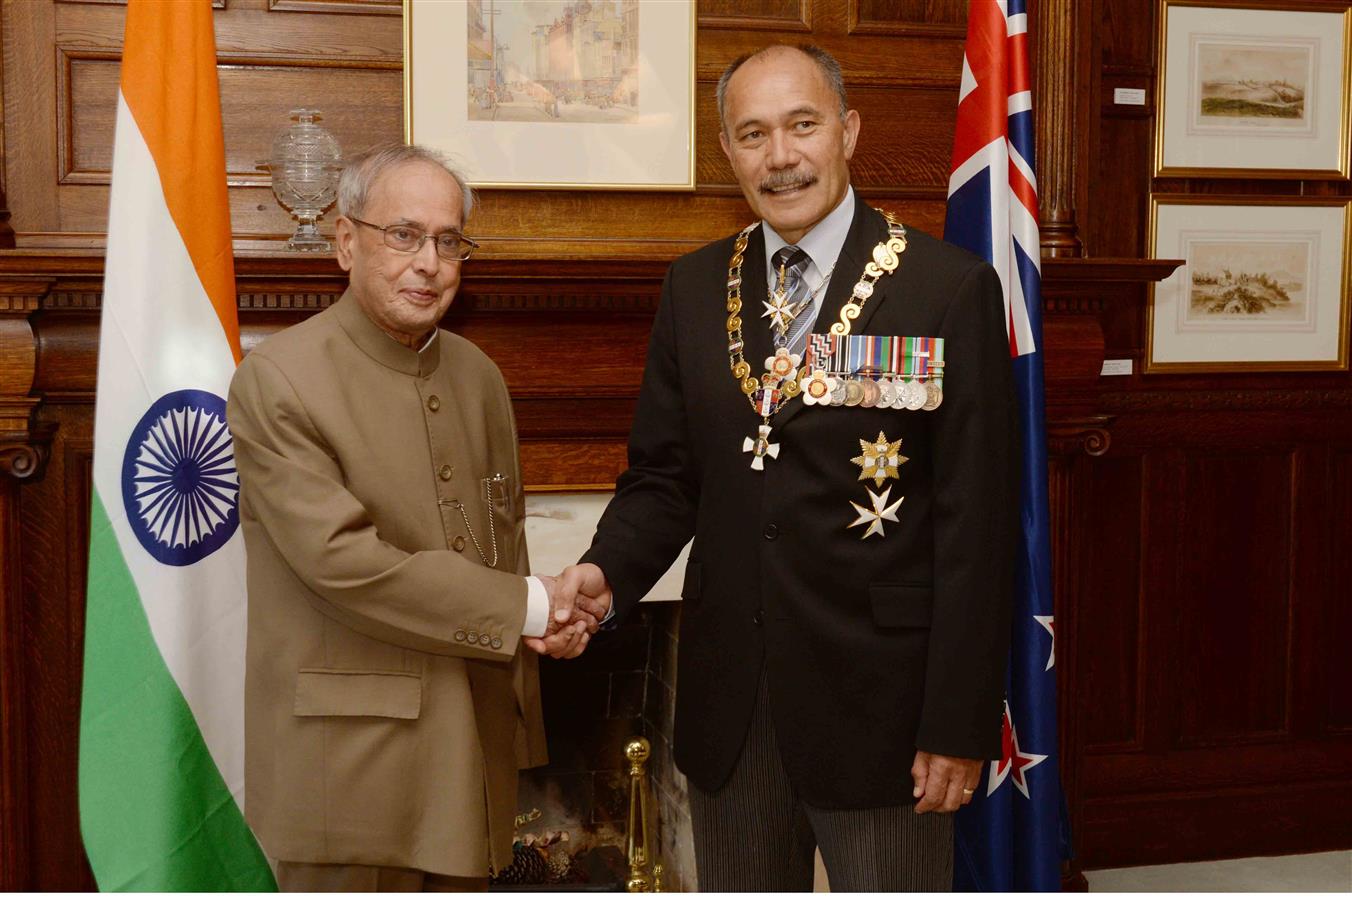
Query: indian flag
162,721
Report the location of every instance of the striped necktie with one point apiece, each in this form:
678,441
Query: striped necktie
794,262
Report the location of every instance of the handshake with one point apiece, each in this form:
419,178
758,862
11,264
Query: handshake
579,600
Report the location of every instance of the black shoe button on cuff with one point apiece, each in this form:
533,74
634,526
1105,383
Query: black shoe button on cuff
771,531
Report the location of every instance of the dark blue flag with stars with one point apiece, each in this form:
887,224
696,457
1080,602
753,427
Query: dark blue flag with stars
1012,836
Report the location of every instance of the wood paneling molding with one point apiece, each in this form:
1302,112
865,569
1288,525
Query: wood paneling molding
345,7
792,16
257,95
908,18
217,4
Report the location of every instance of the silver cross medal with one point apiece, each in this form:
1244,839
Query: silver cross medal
760,447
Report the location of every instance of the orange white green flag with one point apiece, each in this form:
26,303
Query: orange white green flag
162,718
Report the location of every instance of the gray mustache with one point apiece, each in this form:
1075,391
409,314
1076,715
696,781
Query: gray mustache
778,181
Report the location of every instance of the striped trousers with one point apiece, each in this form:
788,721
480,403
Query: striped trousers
755,834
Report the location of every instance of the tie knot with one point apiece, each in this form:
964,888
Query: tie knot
790,258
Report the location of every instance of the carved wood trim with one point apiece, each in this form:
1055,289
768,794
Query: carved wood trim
24,454
1081,272
1228,401
506,262
24,447
1090,436
1055,100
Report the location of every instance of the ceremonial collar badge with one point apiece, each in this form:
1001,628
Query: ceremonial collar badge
782,379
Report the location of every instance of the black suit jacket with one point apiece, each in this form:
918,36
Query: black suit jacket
872,648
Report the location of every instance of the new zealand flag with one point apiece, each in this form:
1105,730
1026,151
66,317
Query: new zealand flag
1012,836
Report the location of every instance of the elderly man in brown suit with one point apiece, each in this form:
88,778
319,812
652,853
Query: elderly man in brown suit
388,700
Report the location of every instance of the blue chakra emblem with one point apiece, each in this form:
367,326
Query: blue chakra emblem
179,483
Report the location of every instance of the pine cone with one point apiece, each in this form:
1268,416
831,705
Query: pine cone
560,864
528,867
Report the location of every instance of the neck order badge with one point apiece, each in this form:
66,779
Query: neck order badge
161,724
782,380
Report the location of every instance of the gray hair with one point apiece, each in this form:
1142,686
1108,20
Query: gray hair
826,63
363,169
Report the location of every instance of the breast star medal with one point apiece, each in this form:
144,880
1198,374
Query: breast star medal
879,459
874,518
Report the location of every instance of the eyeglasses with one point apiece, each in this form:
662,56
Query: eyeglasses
451,245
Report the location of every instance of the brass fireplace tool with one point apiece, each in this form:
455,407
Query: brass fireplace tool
638,844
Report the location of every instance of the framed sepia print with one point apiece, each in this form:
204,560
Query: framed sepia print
1250,92
555,93
1263,287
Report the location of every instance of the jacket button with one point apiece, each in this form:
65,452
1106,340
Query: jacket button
484,639
472,637
458,543
434,403
497,644
771,531
460,636
758,617
444,473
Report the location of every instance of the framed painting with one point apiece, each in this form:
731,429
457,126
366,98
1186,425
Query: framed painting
1249,92
595,94
1264,284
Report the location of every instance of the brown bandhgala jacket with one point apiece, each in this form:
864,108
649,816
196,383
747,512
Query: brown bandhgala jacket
388,700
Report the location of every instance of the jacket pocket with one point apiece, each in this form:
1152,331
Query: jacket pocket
354,692
690,587
901,605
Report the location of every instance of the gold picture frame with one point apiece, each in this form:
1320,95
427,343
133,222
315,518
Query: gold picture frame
1264,286
597,95
1252,91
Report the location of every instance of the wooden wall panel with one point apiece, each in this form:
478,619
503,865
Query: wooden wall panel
935,17
1244,575
257,97
771,15
1216,626
1236,543
1114,499
55,542
1336,623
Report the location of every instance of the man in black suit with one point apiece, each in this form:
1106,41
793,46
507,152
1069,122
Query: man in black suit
846,606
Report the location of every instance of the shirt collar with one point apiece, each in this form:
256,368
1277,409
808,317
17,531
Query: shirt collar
822,242
380,346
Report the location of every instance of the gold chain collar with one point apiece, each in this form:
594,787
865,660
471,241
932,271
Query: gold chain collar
886,258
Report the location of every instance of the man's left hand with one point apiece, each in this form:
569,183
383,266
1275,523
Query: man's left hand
944,783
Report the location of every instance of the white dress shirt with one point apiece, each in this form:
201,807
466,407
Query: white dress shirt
822,245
